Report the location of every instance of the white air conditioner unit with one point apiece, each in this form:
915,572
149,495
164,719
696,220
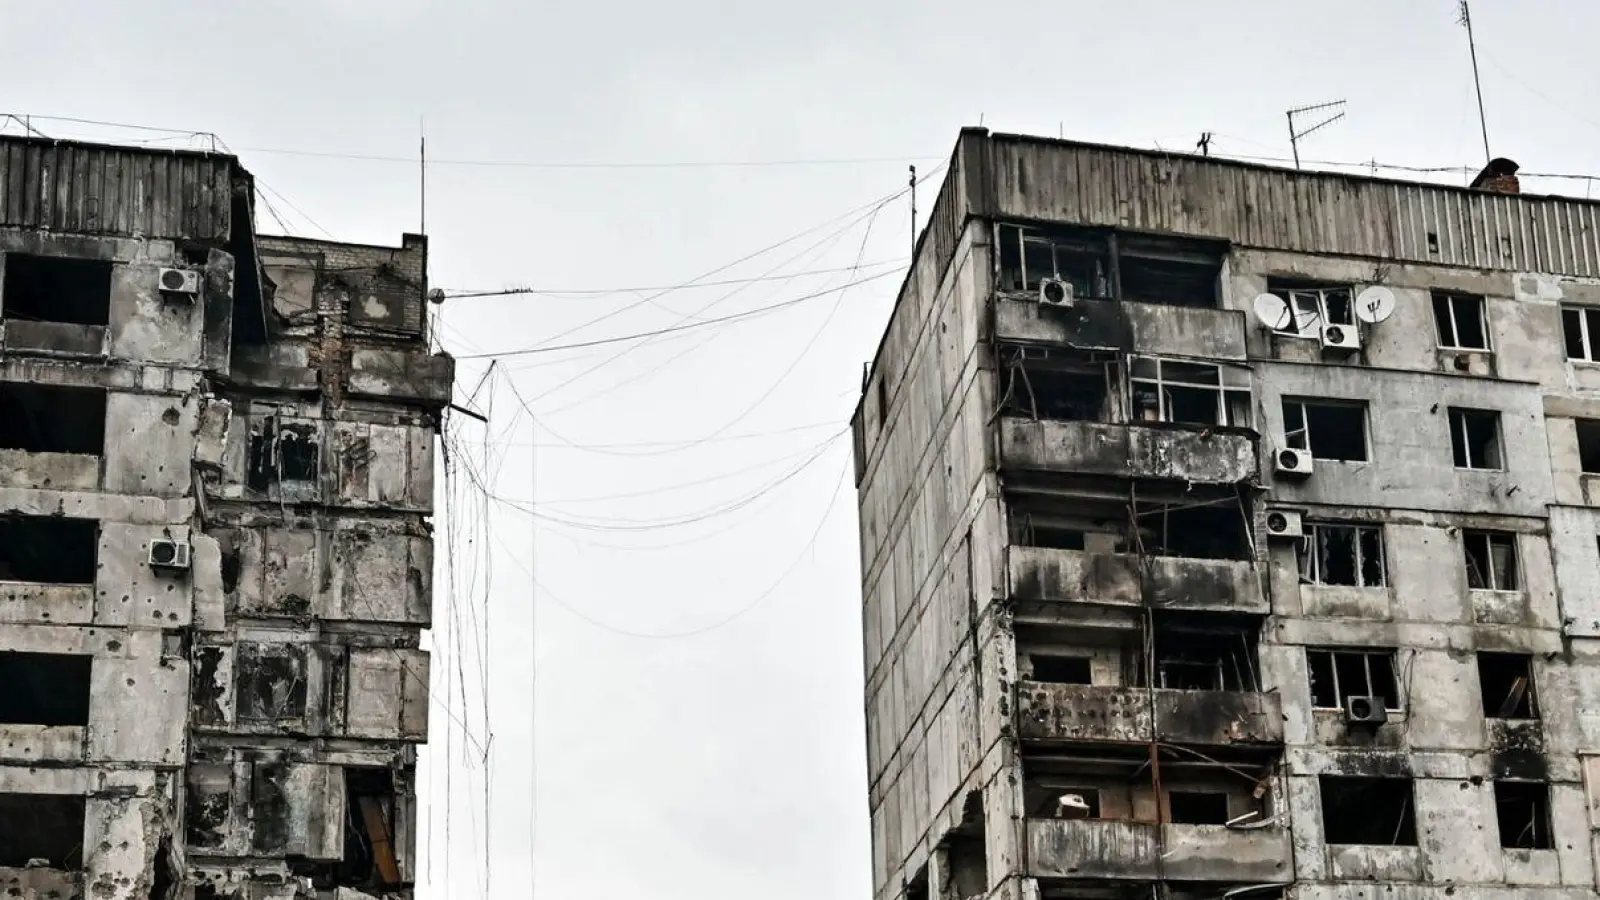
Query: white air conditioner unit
169,554
1287,524
1055,292
1365,710
1340,337
1290,461
180,282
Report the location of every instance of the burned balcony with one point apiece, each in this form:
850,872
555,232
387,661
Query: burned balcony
1175,817
1193,554
51,437
56,305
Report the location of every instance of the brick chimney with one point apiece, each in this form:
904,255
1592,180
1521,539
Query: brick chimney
1499,176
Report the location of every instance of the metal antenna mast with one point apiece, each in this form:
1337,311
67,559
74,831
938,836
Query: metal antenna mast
1295,136
1465,19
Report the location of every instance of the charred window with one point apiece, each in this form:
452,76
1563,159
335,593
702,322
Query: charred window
1197,807
1329,429
1192,657
1168,271
1475,438
47,827
1522,809
50,689
48,549
1459,321
1340,554
1491,560
1363,810
1059,669
1506,683
1193,531
369,848
271,682
56,289
1338,675
46,418
282,452
1588,444
1040,384
1185,393
1311,306
1030,256
209,804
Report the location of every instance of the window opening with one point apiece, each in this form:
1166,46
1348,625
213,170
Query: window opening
49,549
1505,681
282,452
1588,444
49,689
1197,807
369,851
1366,810
1475,438
1044,800
1041,387
1329,429
1337,675
48,827
271,682
1580,325
1184,393
46,418
1055,669
1339,554
56,289
965,854
1194,659
1491,560
1311,307
917,887
1187,530
1459,321
1167,272
1029,255
1522,809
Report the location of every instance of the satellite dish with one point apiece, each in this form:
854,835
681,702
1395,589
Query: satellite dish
1375,304
1071,806
1273,311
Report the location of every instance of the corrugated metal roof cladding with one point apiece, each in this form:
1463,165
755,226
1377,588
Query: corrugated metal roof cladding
1261,206
84,188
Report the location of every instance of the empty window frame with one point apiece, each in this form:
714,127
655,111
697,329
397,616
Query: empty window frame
1060,669
1329,429
56,289
1167,271
1187,393
1580,325
1335,553
369,845
48,827
1475,438
1197,807
1522,810
1588,445
1505,681
1459,321
1337,675
282,452
1491,558
1030,255
47,418
49,549
50,689
1040,385
1196,659
1366,810
1313,306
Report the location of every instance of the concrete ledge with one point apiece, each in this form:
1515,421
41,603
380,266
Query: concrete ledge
1105,849
1124,451
1123,579
1147,328
41,743
23,602
49,471
1082,712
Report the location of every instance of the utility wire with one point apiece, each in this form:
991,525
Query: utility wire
555,292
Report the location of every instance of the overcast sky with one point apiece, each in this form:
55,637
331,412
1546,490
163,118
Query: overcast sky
730,762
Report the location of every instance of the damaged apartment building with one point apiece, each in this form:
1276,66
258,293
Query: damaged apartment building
1233,532
216,454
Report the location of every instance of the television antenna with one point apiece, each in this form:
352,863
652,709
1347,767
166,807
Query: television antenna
1296,134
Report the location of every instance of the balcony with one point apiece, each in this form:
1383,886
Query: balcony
1202,456
1134,851
1133,327
1121,579
1081,712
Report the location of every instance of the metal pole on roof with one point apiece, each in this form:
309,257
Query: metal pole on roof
1477,83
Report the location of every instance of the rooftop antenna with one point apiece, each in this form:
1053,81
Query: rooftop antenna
913,184
1295,135
1204,144
422,173
1465,20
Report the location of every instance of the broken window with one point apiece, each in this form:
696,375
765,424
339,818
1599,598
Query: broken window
1367,810
1197,807
966,854
1194,530
1506,683
56,289
208,804
1588,445
1491,560
1580,325
1339,554
1312,306
1030,255
1475,438
47,418
1337,675
50,689
1459,321
271,681
48,549
1194,658
369,849
1329,429
1042,385
282,452
46,827
1060,669
1522,809
1167,390
1168,271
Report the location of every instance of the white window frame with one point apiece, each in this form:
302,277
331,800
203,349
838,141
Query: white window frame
1491,575
1466,445
1479,304
1027,237
1589,340
1233,400
1311,567
1366,667
1300,438
1308,310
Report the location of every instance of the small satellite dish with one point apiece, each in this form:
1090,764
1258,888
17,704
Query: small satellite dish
1071,806
436,295
1273,311
1375,304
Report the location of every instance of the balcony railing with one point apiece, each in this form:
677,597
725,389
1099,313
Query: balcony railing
1129,451
1122,579
1135,851
1082,712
